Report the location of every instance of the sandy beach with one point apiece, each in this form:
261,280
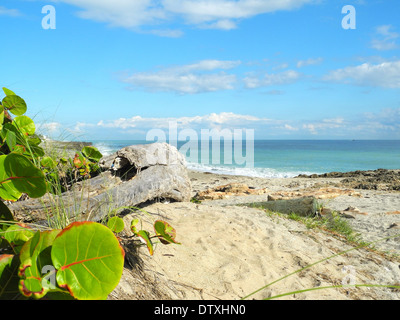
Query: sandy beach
228,251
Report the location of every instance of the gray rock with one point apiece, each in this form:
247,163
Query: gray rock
133,176
306,206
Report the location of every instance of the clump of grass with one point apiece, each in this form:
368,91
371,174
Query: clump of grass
338,226
333,223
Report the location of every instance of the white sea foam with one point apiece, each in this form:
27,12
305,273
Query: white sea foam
248,172
105,148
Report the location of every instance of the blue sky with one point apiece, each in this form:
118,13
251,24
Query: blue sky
287,69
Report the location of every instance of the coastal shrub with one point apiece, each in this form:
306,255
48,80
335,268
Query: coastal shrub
162,231
83,260
19,151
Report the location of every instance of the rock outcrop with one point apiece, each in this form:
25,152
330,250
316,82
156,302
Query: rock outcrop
380,179
228,190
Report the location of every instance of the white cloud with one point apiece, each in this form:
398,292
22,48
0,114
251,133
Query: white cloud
121,13
186,79
333,123
309,62
216,14
9,12
290,128
385,38
386,75
381,124
285,77
48,128
219,12
228,119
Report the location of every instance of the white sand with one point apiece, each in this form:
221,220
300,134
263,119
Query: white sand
228,251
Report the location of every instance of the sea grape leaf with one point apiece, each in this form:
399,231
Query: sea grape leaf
116,224
145,238
6,218
5,214
165,232
34,140
92,153
25,125
8,92
17,235
24,176
89,260
11,139
19,149
7,189
1,116
48,163
36,150
79,161
134,222
15,104
81,164
35,257
8,277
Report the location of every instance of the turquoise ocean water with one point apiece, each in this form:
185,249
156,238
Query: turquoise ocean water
282,158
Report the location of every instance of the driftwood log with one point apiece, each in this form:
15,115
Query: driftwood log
132,176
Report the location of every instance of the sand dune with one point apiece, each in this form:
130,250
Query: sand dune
228,251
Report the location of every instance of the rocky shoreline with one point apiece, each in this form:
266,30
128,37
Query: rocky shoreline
380,179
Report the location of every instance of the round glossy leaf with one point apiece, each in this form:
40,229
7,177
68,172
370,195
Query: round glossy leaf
8,276
15,104
134,222
17,235
8,92
1,116
165,232
24,176
11,139
92,153
144,237
48,162
89,260
116,224
25,125
35,257
7,189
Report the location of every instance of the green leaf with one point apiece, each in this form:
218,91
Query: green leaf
48,163
8,92
92,153
24,176
134,222
25,125
145,238
116,224
7,189
11,140
34,140
35,257
5,214
8,277
36,150
1,116
89,260
6,218
15,104
165,232
17,235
